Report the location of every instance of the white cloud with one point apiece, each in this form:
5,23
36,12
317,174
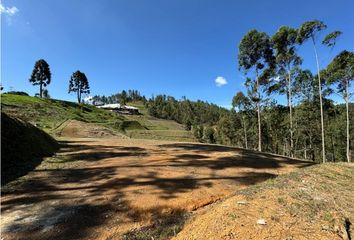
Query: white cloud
220,81
10,11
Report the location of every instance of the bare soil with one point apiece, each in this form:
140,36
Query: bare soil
313,203
78,129
103,188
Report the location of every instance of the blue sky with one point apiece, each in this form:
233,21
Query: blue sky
176,47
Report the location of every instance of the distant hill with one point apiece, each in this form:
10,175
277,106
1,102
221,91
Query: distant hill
50,115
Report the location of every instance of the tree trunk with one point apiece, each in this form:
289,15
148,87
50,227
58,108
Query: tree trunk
259,114
245,131
78,96
321,107
333,148
312,150
291,116
41,90
347,110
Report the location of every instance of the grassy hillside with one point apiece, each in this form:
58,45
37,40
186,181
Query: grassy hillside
50,114
158,129
23,147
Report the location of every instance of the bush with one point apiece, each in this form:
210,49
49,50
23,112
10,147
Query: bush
209,135
198,132
18,93
188,125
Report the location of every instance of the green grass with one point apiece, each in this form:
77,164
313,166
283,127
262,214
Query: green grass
165,228
50,114
131,125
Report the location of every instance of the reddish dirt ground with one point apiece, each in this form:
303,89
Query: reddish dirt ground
107,187
313,203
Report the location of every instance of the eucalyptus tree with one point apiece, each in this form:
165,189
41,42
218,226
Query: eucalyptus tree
286,58
78,83
305,88
307,112
310,30
41,75
242,102
255,53
341,73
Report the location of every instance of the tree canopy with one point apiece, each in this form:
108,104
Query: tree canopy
78,83
41,75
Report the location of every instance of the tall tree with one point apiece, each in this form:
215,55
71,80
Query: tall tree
255,53
309,30
341,72
307,112
241,102
41,75
284,43
78,83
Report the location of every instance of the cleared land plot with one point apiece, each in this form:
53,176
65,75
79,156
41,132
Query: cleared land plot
105,188
311,203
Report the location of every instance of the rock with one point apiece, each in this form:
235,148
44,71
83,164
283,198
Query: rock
261,221
326,228
242,202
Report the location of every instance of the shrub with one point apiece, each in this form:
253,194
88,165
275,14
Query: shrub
18,93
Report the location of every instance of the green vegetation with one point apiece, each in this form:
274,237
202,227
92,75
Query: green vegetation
213,124
122,98
41,75
49,114
23,147
256,54
153,128
79,84
311,126
164,228
340,72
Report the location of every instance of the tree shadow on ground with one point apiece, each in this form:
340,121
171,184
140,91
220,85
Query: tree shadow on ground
199,147
74,146
71,151
242,158
81,193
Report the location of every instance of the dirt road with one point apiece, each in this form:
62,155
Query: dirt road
103,188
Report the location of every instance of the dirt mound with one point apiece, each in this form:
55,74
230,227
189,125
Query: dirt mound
78,129
314,203
22,147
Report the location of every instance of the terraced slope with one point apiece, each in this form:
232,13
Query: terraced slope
53,115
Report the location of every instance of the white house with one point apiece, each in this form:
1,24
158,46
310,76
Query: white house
117,107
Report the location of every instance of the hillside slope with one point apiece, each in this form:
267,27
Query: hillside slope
53,115
23,147
312,203
49,114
